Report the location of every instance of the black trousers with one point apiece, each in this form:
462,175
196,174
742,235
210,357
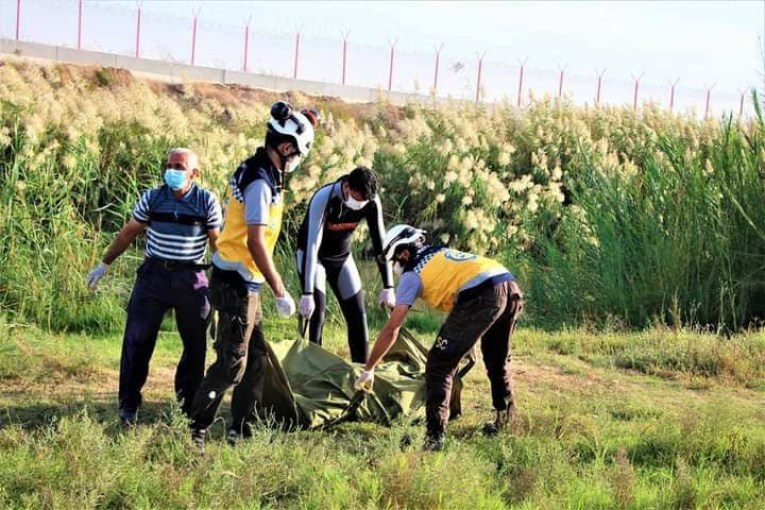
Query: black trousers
157,290
489,317
343,278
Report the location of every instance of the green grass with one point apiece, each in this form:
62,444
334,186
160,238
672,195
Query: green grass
665,232
588,434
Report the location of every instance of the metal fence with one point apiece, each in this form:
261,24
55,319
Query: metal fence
136,30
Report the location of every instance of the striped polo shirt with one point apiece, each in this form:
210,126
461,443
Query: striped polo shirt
177,227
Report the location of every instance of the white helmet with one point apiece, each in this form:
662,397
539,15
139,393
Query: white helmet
285,122
401,235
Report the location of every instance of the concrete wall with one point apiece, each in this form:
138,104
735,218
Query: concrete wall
176,73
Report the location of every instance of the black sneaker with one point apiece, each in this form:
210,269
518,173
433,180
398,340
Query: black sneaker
490,428
433,443
198,438
235,436
500,423
128,418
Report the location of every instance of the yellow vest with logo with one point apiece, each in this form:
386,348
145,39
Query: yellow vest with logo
232,242
445,273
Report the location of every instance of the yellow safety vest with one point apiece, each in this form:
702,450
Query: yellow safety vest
232,243
445,272
233,253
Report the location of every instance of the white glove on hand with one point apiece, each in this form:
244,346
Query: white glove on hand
285,306
365,380
306,306
387,298
96,275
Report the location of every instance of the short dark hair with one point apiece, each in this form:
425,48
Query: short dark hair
363,180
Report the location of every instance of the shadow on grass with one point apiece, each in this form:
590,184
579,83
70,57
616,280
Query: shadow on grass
37,416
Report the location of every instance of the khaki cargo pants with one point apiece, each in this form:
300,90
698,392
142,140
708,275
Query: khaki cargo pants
241,356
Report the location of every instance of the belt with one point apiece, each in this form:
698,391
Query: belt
176,265
484,285
233,278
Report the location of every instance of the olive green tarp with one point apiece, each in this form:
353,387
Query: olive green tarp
309,387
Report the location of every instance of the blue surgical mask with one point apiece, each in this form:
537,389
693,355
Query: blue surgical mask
176,179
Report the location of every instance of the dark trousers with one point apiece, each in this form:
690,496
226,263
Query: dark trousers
490,315
157,290
352,307
241,356
355,315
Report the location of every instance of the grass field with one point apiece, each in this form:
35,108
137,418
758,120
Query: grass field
636,234
611,420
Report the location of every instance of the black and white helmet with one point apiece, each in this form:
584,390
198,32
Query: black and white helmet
292,125
401,236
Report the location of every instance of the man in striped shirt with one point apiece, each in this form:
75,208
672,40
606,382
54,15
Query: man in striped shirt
181,219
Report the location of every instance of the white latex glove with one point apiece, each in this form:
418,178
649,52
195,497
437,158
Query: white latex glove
306,306
285,305
387,298
365,380
96,275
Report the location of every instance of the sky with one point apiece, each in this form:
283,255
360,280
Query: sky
705,40
703,44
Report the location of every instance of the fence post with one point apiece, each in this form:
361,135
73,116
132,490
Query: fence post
194,38
18,19
435,74
138,30
709,94
390,68
635,94
672,96
478,79
345,56
560,81
297,55
600,83
741,106
79,25
520,81
246,43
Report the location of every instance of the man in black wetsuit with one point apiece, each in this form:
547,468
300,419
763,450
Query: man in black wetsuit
324,254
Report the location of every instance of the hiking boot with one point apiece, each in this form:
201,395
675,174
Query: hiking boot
198,438
128,418
500,423
433,443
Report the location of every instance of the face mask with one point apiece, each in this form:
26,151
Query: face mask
352,203
176,179
398,268
292,163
